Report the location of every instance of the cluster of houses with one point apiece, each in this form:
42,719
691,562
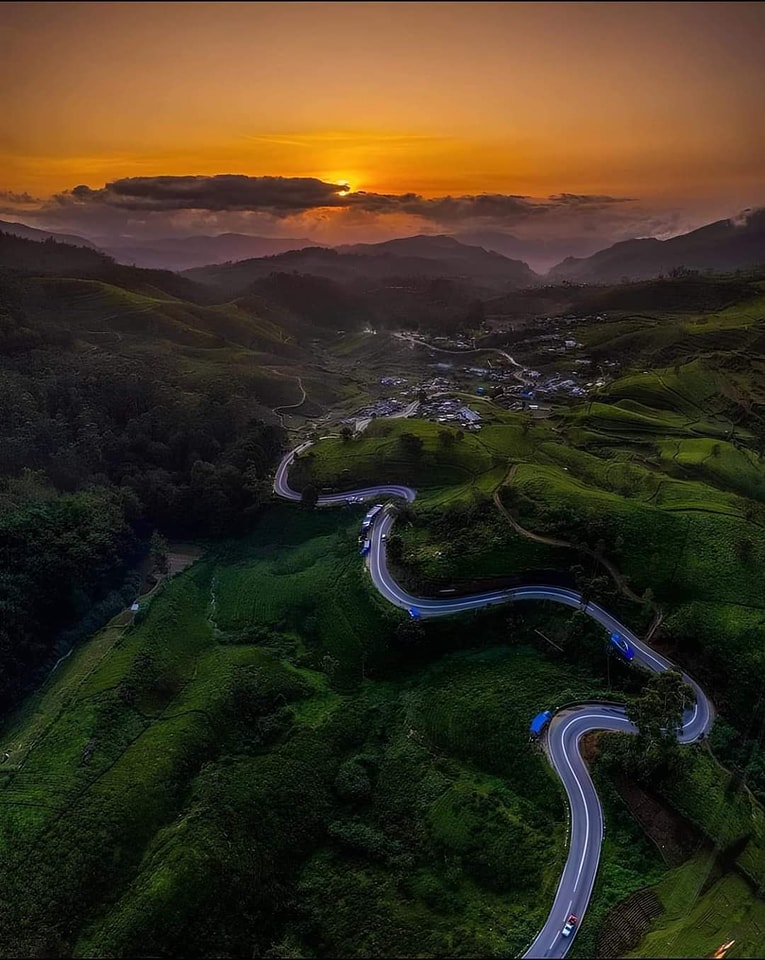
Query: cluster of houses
381,408
451,410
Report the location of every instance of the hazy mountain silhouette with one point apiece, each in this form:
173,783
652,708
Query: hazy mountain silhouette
184,253
420,256
721,246
32,233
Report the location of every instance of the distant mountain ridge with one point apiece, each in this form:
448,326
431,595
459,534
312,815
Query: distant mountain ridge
419,256
33,233
49,257
489,259
721,246
185,253
541,253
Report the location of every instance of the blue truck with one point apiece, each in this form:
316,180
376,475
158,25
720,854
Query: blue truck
364,549
539,723
370,516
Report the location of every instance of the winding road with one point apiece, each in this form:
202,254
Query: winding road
414,341
567,727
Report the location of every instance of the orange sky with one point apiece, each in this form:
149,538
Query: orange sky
659,101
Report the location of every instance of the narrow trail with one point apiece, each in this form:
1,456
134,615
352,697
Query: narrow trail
615,574
291,406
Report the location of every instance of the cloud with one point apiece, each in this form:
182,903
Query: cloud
588,199
140,208
18,199
280,196
287,196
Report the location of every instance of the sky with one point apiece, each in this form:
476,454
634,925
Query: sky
568,125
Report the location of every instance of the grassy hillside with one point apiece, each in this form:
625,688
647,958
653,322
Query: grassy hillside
699,918
662,476
261,762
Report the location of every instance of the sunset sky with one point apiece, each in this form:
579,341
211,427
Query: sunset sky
604,120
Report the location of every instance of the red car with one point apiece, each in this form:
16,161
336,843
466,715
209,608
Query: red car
569,925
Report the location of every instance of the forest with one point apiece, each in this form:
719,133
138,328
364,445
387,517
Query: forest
101,443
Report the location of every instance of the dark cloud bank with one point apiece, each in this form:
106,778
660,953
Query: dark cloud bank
541,230
287,196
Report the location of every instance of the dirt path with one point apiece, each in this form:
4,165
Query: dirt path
617,577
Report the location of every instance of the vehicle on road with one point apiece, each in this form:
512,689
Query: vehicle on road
384,536
364,548
568,926
539,722
621,645
414,613
369,517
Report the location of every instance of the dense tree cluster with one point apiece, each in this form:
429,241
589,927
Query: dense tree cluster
97,450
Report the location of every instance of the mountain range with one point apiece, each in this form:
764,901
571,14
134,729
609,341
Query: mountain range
489,260
421,256
32,233
721,246
184,253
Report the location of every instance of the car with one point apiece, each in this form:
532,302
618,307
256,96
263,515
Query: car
624,648
568,926
384,536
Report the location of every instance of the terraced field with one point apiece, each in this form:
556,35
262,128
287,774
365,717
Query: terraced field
696,918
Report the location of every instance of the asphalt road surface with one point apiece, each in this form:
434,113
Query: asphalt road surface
567,727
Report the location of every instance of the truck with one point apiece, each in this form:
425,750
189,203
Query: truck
364,550
370,516
539,723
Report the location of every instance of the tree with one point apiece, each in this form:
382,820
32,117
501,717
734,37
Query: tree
158,551
446,438
648,598
658,715
410,631
346,433
744,549
411,445
395,548
310,495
